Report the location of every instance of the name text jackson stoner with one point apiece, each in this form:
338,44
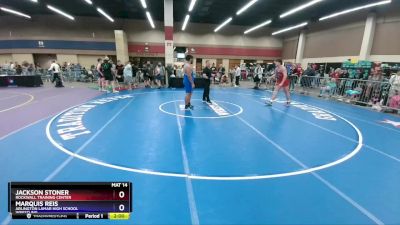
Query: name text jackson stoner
42,192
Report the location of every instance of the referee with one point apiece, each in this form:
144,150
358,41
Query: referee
207,71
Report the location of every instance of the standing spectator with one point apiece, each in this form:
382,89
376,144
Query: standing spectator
237,75
31,69
135,76
12,66
18,69
251,71
25,66
150,72
374,85
146,75
55,68
119,72
232,73
106,69
297,72
100,75
306,80
157,75
162,74
128,76
258,74
6,66
179,71
214,72
243,70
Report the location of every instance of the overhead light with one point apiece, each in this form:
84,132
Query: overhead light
246,7
105,14
191,5
15,12
258,26
355,9
223,24
34,1
290,28
60,12
143,4
299,8
89,2
150,19
185,22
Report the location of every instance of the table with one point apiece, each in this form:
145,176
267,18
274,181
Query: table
21,81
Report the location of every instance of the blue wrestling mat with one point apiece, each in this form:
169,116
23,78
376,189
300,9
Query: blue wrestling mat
236,161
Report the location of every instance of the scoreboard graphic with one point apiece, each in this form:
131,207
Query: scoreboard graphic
66,200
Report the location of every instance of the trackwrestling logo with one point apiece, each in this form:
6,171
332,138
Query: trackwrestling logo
70,125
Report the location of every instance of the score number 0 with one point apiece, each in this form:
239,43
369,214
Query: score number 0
121,207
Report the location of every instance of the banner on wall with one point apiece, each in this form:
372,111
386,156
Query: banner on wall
354,60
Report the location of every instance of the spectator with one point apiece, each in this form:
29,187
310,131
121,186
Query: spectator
31,69
56,69
18,69
394,101
100,75
232,73
162,73
135,76
128,76
6,66
306,80
146,75
258,74
214,72
25,66
394,83
13,66
238,73
374,85
330,88
119,68
158,74
106,69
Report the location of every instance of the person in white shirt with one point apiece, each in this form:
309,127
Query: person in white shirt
237,75
258,74
6,66
12,65
56,74
128,76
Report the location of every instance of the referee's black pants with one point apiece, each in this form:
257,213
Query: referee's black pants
206,92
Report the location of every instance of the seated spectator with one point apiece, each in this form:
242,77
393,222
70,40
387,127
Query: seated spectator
330,88
394,82
394,101
18,70
354,93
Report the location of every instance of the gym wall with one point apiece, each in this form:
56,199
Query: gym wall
94,37
341,42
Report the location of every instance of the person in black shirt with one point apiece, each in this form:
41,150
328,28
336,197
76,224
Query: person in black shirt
136,80
207,71
146,75
106,69
120,72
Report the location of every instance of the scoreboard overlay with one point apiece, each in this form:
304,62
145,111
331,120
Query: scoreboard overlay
70,200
